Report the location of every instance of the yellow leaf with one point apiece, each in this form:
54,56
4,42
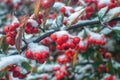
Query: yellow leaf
37,7
75,58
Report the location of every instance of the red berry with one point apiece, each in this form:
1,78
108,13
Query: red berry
72,10
45,55
101,6
62,9
16,74
108,55
59,47
16,25
41,61
44,77
53,37
59,41
37,55
29,54
65,38
39,21
100,68
40,16
76,40
72,45
65,22
11,27
46,3
21,76
35,30
106,69
10,41
65,46
29,24
6,29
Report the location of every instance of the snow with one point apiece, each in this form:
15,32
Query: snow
34,23
75,15
58,5
105,31
93,35
116,28
110,44
33,77
16,1
61,33
14,59
111,14
68,10
34,47
15,20
47,67
103,2
78,8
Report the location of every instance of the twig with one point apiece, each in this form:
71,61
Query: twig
47,34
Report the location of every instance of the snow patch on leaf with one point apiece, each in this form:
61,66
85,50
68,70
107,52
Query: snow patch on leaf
15,59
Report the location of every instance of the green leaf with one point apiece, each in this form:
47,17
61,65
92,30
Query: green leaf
2,73
110,66
4,44
26,66
119,72
116,29
102,12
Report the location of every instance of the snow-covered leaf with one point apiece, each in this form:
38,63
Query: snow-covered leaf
26,66
57,6
102,12
113,13
74,17
116,28
14,59
59,21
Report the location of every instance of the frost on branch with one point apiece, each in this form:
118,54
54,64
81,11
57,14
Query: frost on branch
15,59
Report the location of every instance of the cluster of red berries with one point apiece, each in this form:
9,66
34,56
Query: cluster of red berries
11,33
61,73
16,72
91,9
111,5
48,42
29,29
64,42
32,25
67,57
105,54
100,41
111,77
16,5
102,68
41,57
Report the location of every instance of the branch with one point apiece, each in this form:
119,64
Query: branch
79,25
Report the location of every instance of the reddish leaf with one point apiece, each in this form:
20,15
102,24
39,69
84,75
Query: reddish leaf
37,7
75,58
18,39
